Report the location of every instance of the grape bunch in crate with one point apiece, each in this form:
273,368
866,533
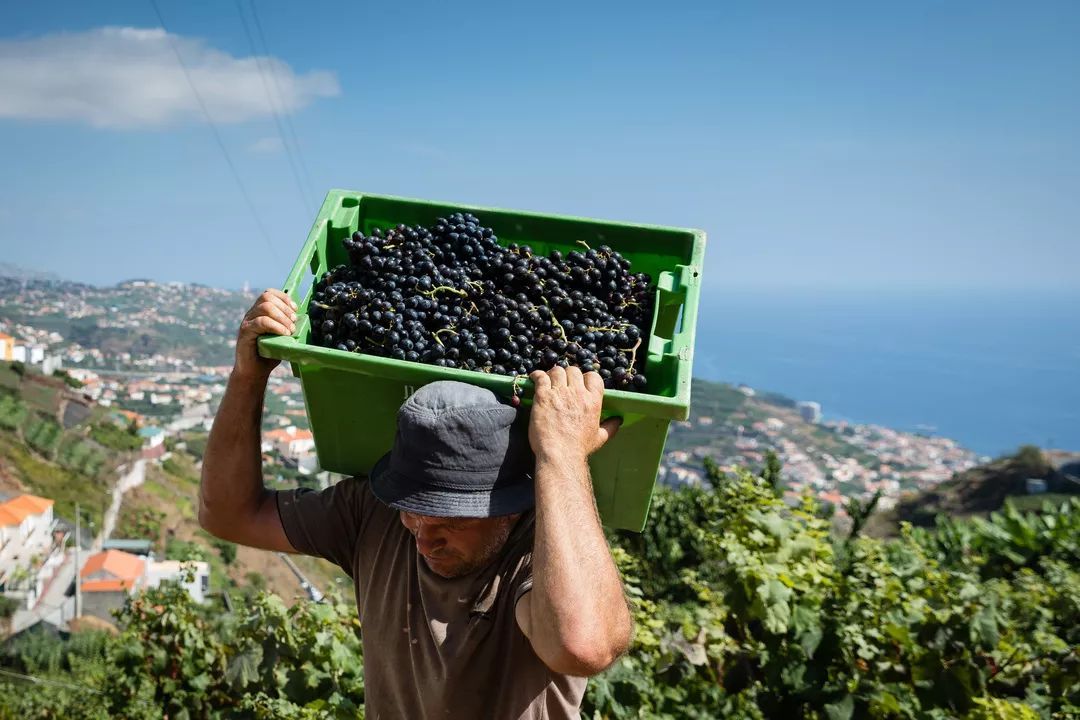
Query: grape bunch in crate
450,295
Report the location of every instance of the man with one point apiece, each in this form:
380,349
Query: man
482,577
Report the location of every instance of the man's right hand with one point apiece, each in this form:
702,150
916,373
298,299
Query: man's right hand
234,504
274,312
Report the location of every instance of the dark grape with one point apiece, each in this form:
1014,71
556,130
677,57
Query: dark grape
451,295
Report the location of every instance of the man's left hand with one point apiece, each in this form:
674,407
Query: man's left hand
565,418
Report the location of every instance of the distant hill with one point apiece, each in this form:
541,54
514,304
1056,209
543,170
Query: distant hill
135,319
16,272
982,490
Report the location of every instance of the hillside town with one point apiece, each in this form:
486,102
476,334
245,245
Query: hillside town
832,460
172,394
176,392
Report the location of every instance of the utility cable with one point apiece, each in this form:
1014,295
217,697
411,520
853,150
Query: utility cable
272,103
216,133
281,96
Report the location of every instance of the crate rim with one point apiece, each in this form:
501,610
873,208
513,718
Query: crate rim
289,348
699,234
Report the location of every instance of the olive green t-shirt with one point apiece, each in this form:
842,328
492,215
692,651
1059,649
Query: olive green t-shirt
433,647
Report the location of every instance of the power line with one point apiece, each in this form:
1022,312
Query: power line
281,96
46,681
37,680
217,135
304,196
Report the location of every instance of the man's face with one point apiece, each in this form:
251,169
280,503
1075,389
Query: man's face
453,547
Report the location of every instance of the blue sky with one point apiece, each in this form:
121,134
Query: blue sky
826,145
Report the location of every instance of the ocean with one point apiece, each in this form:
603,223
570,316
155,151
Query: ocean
991,370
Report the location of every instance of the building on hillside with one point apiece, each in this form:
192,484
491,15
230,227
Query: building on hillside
123,418
153,442
51,363
192,416
7,348
29,548
289,441
152,435
197,584
107,579
810,411
142,548
307,463
1035,486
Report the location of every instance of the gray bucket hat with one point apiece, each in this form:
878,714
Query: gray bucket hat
459,452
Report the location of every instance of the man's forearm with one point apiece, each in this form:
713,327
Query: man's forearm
577,598
232,484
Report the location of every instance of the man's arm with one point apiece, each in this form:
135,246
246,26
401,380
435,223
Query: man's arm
575,616
233,503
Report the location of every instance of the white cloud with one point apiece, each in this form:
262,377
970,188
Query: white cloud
129,77
271,144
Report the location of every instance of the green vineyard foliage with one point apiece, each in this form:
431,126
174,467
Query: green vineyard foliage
744,606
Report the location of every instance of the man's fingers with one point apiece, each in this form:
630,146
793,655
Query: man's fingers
275,301
265,324
593,382
274,292
607,430
275,312
540,379
557,375
574,379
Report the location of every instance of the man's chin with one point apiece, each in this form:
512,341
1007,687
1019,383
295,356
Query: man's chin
443,567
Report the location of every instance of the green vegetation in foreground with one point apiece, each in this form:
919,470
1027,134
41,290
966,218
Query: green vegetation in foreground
744,608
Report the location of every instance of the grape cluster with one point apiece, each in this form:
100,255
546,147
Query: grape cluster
451,295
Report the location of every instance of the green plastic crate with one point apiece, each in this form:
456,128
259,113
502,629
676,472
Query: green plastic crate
352,399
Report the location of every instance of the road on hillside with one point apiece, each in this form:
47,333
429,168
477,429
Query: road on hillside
133,479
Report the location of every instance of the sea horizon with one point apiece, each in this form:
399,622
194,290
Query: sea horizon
991,369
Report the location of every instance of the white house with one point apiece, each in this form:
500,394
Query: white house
51,363
289,441
152,436
197,586
25,520
27,546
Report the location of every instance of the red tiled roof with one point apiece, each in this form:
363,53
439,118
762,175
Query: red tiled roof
107,585
285,436
16,510
115,562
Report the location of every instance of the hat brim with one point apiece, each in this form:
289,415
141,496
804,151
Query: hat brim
401,493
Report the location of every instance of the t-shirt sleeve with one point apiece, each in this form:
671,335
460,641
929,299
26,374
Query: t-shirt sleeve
327,523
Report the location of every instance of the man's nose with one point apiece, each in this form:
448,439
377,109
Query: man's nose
426,540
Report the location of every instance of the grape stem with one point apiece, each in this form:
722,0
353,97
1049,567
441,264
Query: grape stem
633,353
435,334
446,288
